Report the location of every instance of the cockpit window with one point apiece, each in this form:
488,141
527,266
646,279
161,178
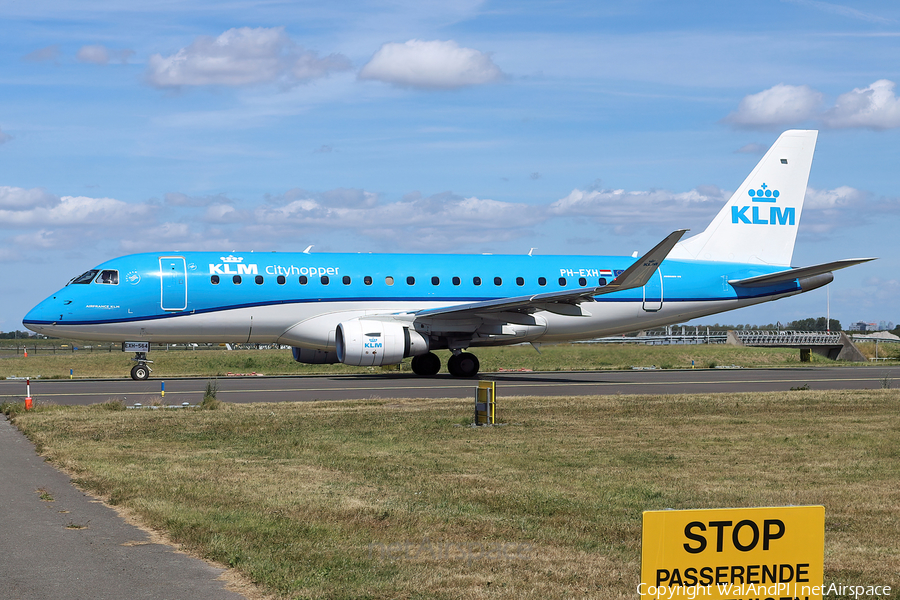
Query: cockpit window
108,276
86,277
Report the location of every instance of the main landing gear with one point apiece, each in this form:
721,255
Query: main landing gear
460,364
141,370
426,364
464,364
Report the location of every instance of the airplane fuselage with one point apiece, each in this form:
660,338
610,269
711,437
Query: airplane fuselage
297,299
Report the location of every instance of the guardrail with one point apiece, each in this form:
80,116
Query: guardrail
787,338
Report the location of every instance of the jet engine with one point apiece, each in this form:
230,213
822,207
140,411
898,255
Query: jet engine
372,342
314,357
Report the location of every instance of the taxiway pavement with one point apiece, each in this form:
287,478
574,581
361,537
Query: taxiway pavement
58,543
406,385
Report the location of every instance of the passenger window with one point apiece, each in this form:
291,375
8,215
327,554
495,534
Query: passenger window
367,280
435,281
410,281
520,281
346,280
601,281
476,280
562,282
214,279
389,280
456,281
259,279
303,280
236,279
110,277
281,280
582,282
325,280
498,281
542,281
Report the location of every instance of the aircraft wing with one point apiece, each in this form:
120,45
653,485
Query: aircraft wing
791,274
637,275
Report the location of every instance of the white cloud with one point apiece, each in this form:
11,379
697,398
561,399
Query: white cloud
430,223
42,238
241,57
100,55
179,199
840,197
21,199
224,213
431,65
873,107
48,53
777,106
752,148
341,209
36,207
625,210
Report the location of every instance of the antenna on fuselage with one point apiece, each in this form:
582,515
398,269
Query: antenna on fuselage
308,248
530,251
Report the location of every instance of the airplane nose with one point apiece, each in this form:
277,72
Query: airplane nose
42,317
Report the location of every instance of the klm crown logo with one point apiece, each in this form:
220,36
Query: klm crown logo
764,194
776,215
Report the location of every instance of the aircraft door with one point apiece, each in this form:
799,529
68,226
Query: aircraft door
173,282
653,293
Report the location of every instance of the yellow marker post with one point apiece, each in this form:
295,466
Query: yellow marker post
485,404
733,553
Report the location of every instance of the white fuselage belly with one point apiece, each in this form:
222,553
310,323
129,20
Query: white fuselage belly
292,324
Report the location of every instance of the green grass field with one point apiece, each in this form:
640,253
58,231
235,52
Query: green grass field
403,499
562,357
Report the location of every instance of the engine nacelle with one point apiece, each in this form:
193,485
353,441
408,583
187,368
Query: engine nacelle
371,342
314,357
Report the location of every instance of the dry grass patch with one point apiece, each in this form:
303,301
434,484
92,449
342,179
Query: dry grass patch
402,499
560,357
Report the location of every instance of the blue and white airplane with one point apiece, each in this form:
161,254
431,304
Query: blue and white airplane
377,309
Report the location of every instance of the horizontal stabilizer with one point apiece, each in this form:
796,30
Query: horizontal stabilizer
791,274
637,275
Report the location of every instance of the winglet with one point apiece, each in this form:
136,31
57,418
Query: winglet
639,273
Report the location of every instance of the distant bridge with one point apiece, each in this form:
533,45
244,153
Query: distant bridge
836,346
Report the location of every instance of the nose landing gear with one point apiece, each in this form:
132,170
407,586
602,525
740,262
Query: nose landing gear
141,370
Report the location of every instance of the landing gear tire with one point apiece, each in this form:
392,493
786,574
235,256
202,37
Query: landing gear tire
140,372
426,364
464,364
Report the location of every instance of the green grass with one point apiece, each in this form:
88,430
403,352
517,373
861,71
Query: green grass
562,357
402,499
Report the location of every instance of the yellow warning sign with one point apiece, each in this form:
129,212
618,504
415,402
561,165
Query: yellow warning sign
733,554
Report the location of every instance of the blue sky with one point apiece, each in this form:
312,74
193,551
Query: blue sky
439,127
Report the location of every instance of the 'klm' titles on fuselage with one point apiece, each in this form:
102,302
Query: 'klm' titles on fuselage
253,269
